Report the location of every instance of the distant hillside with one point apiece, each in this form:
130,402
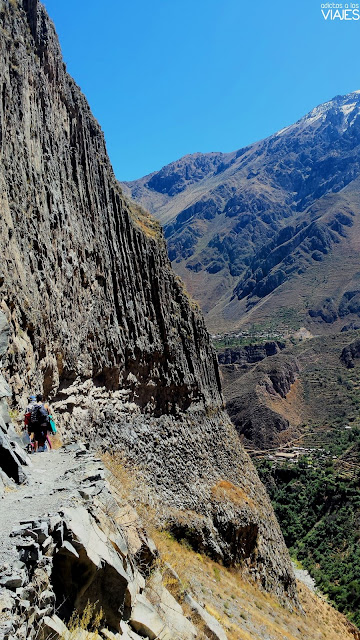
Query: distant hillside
275,224
296,408
310,389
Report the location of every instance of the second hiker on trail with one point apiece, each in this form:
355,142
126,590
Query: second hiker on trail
39,422
32,403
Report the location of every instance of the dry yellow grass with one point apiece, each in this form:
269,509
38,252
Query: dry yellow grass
245,611
144,220
193,303
225,490
122,479
89,622
241,606
56,440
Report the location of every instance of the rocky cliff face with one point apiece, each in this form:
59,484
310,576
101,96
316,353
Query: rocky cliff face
92,293
350,353
249,354
100,321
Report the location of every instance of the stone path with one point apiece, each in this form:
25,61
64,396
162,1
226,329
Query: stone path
52,484
66,541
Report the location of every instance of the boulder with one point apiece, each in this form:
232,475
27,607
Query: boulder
108,635
7,602
4,409
146,620
127,633
68,549
9,463
86,568
4,334
212,627
169,609
22,457
12,582
5,391
54,628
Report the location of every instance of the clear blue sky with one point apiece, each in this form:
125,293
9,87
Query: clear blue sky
169,77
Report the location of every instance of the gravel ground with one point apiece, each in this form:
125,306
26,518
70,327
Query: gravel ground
45,493
305,577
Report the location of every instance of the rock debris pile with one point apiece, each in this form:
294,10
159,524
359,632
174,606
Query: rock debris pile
88,549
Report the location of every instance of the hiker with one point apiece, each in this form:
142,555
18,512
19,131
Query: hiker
28,440
39,422
27,417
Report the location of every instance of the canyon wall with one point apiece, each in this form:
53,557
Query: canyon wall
99,320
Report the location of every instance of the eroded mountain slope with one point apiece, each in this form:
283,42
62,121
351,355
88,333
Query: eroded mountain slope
244,225
307,388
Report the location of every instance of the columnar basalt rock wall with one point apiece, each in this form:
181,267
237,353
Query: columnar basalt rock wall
89,292
100,321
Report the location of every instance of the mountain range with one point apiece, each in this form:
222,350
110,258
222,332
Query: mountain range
269,235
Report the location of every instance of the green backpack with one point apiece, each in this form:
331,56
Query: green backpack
52,424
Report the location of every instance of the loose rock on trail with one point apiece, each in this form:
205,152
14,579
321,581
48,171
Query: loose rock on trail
67,542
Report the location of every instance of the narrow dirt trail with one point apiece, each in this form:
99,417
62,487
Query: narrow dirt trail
52,483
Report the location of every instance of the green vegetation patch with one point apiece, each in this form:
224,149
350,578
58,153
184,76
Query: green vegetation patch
318,508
